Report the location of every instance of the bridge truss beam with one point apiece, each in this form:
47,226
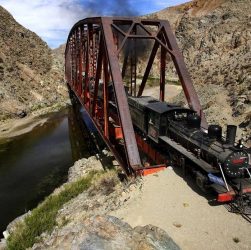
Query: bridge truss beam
102,59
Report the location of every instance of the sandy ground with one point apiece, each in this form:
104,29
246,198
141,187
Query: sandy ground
168,201
15,127
170,91
18,126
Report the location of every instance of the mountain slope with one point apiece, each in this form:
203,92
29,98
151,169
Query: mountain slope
215,39
29,79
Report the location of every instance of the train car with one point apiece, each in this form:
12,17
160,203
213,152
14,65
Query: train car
217,162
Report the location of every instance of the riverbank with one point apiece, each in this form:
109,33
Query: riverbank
17,126
78,214
34,163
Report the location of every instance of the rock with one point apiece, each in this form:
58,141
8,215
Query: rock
246,122
12,226
21,114
83,166
107,232
94,163
3,245
6,234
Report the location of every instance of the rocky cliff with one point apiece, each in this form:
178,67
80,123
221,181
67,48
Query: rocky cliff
29,74
58,55
215,39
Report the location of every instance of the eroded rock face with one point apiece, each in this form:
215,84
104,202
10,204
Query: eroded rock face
82,167
215,39
29,76
217,51
108,233
217,48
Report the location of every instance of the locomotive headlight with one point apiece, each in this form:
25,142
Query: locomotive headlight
236,163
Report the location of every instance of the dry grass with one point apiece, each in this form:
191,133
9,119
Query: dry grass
104,184
43,218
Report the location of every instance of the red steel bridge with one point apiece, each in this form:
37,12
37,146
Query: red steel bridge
102,60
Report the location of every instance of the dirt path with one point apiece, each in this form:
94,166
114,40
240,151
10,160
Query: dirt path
167,201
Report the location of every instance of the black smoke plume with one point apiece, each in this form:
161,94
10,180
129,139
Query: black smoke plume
110,8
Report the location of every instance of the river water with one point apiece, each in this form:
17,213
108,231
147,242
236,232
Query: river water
32,165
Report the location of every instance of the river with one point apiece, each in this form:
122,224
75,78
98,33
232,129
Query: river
32,165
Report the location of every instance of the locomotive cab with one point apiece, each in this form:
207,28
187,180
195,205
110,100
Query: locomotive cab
161,114
156,125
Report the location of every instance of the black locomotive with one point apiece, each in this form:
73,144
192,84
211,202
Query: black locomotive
217,162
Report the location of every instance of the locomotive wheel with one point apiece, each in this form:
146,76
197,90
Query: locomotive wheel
201,181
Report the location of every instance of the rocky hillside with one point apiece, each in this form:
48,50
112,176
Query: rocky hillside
215,39
58,55
29,75
194,8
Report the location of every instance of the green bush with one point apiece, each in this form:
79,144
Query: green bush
43,218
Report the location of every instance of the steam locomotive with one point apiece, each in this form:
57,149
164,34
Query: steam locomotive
216,162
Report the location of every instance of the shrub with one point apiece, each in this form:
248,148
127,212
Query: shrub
43,218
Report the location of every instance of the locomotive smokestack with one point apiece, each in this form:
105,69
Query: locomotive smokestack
231,134
214,132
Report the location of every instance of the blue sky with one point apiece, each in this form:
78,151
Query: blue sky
53,19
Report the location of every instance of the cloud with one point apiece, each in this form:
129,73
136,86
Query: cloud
112,7
51,20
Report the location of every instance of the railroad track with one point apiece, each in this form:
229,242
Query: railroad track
238,207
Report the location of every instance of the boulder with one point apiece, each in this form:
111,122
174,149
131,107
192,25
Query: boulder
107,232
